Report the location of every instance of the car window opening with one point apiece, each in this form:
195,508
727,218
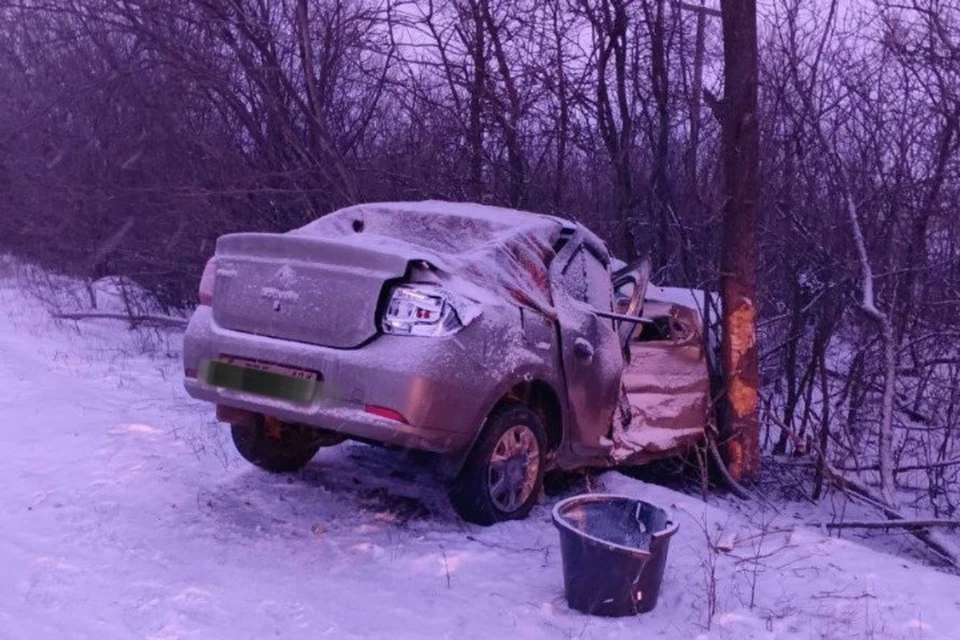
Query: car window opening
659,329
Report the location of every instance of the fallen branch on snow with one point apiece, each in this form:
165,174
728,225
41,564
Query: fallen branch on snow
886,524
932,539
135,321
944,548
874,467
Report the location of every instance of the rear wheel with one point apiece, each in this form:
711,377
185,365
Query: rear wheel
503,476
280,447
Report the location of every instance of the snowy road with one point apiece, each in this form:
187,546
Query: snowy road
126,514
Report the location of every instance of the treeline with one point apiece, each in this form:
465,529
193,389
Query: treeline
134,132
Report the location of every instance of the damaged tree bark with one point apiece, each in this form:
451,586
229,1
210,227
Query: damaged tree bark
738,119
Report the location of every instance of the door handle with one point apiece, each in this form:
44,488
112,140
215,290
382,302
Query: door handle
583,350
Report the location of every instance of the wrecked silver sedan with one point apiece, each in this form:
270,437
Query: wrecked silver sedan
502,339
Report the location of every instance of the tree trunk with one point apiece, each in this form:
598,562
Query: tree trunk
738,115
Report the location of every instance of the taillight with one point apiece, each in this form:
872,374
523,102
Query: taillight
384,412
420,310
206,282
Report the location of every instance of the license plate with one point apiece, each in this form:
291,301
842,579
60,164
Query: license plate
260,378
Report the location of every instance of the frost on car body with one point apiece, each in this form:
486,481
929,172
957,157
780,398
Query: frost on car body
492,336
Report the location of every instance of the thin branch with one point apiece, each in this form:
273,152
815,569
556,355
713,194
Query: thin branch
738,489
134,320
886,524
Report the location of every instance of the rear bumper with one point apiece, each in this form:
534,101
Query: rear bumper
439,394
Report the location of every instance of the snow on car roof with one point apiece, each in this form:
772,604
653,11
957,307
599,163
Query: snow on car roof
444,227
497,215
503,250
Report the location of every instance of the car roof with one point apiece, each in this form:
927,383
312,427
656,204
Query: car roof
448,227
501,216
501,250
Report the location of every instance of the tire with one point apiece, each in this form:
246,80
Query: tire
278,447
503,475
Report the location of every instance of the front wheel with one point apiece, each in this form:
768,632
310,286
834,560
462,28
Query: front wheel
503,476
280,447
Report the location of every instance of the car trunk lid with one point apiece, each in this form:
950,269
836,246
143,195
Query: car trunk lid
302,288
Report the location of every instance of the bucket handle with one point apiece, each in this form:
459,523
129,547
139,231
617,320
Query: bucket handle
669,527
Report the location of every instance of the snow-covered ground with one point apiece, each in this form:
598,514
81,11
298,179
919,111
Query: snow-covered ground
126,514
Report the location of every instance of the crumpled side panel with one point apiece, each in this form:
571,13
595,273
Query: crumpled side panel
667,391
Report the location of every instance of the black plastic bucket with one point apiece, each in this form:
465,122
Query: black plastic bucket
614,551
